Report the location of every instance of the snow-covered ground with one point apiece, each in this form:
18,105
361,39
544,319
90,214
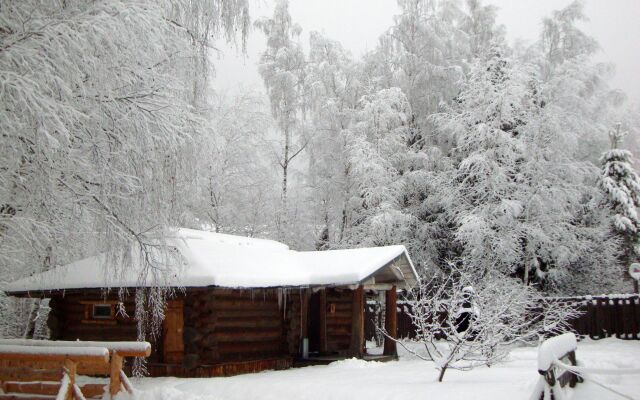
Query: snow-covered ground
407,378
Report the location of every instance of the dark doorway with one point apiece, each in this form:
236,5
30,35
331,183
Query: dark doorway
314,323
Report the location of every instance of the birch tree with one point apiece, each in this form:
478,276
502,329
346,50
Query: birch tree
282,68
334,90
93,117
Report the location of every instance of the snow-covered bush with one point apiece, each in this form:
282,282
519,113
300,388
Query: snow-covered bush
464,323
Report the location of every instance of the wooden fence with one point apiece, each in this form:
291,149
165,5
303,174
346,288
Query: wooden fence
374,317
602,316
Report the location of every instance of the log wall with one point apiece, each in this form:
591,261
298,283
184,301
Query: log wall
223,328
224,325
68,320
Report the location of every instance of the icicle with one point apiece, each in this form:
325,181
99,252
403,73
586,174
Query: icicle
279,294
285,291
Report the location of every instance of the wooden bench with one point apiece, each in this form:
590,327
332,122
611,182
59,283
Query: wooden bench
46,369
559,348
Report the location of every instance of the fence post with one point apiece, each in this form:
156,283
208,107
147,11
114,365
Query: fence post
70,370
114,376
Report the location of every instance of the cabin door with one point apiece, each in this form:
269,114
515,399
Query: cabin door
173,343
317,322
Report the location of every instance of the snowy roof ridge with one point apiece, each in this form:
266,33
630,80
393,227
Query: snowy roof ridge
215,259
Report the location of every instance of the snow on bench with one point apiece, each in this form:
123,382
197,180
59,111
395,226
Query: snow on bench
124,349
21,352
554,349
550,352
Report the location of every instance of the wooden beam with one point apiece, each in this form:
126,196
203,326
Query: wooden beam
323,321
304,313
114,374
70,371
379,286
356,348
391,322
95,355
125,349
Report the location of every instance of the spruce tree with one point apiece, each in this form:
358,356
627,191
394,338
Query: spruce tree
622,187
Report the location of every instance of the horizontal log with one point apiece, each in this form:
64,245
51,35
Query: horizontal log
33,353
104,329
97,336
34,365
342,299
99,321
255,292
245,296
248,313
249,347
26,374
92,369
339,338
93,390
243,305
247,323
333,320
46,388
75,304
125,349
339,314
248,336
334,331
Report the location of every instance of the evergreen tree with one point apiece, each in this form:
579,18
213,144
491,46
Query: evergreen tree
622,187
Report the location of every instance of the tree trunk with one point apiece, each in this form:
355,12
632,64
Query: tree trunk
285,171
31,322
442,371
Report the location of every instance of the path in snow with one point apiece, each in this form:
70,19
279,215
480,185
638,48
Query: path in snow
404,379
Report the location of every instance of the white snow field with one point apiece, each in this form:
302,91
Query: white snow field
407,378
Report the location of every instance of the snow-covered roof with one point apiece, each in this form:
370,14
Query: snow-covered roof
214,259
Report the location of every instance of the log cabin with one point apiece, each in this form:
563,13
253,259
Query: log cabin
241,304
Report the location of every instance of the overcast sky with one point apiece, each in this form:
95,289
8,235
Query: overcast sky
357,24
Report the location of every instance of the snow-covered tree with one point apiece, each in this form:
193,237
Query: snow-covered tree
235,185
282,67
464,324
333,90
96,115
574,84
621,185
376,150
562,40
517,206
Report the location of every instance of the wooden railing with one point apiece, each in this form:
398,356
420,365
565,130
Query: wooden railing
50,367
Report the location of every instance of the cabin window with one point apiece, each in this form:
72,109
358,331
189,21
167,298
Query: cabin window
102,311
99,312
